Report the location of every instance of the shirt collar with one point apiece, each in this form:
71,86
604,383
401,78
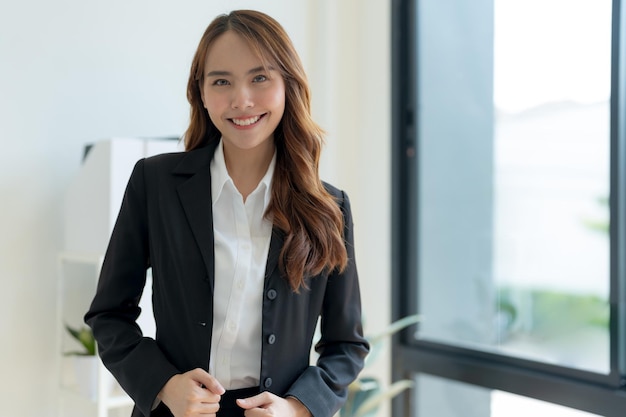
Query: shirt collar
219,176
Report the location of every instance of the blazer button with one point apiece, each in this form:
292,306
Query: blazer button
271,293
267,383
271,339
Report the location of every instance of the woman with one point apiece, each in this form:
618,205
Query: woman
247,248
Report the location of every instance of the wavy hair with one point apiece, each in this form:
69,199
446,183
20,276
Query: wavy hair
300,206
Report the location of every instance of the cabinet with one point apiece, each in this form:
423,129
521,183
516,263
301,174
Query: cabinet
92,201
86,387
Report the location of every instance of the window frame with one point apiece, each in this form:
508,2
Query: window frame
583,390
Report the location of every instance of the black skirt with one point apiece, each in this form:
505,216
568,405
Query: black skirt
228,407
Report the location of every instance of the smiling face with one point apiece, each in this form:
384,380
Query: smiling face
244,99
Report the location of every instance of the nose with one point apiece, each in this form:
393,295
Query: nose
242,98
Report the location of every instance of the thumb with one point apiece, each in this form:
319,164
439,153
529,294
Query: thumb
252,402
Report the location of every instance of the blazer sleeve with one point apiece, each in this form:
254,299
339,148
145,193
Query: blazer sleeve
135,361
342,348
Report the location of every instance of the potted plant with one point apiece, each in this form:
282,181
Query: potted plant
366,393
85,361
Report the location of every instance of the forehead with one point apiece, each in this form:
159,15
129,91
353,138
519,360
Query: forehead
230,51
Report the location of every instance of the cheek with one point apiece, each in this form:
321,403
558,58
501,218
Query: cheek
213,105
215,115
210,99
277,98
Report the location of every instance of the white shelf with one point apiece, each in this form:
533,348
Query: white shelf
99,394
92,202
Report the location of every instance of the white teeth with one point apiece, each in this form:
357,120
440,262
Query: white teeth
246,122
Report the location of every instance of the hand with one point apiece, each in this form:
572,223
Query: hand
267,404
191,394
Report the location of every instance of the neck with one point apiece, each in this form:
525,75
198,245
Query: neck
248,166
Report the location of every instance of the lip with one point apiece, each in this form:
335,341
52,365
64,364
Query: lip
247,118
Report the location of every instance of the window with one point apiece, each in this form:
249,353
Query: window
508,145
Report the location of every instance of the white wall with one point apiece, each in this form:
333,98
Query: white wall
73,72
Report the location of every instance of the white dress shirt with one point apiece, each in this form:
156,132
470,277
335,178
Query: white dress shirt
242,240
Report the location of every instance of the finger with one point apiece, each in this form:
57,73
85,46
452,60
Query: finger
208,397
259,400
210,408
201,409
209,381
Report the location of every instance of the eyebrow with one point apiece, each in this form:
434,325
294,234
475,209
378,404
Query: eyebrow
225,73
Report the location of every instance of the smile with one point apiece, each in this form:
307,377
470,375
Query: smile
247,122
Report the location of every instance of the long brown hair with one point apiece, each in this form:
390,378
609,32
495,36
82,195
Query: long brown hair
300,206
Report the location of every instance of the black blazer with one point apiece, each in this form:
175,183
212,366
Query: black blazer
165,222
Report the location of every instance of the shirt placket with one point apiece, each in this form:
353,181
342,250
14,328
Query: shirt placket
242,269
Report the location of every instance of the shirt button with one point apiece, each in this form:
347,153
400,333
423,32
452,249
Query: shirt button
240,284
271,294
231,326
271,339
267,383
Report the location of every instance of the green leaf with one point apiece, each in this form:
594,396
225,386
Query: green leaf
396,327
359,392
84,336
76,353
73,332
376,341
370,406
365,393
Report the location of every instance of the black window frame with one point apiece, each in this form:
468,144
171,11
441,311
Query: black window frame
582,390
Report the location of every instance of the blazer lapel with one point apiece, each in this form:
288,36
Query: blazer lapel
195,196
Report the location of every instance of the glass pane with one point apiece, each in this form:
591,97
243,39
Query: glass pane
513,177
432,398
